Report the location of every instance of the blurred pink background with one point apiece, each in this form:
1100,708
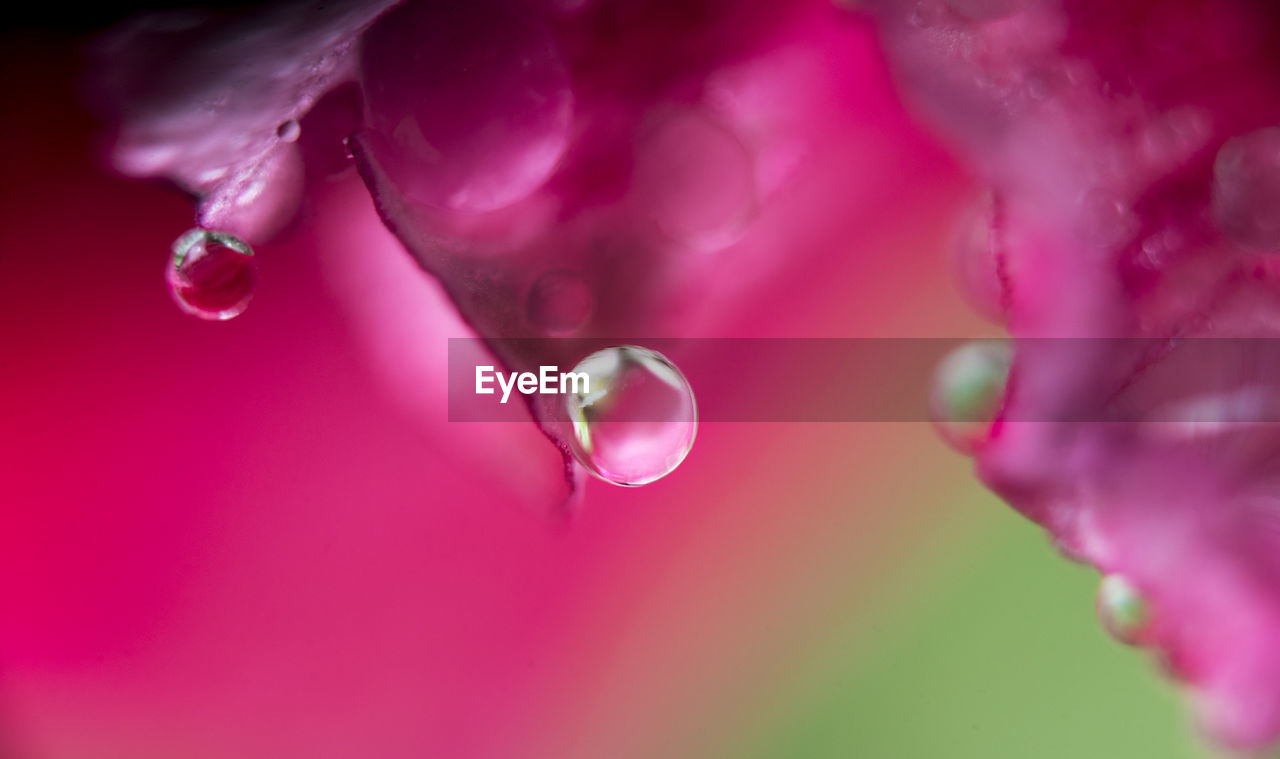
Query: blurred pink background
261,538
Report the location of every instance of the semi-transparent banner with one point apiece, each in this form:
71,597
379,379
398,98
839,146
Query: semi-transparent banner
872,379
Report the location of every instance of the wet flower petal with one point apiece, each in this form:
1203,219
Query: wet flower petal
1130,144
621,156
199,99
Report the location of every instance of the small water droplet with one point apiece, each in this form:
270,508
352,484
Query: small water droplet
558,302
1246,189
289,131
638,419
968,390
211,274
1122,609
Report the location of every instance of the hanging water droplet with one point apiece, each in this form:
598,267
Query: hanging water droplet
1122,609
637,419
289,131
559,302
968,390
211,274
1246,189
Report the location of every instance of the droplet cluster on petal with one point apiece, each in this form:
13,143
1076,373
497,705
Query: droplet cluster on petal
1134,150
564,169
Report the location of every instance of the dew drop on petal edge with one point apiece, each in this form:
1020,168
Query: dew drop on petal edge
1122,610
968,390
212,274
637,420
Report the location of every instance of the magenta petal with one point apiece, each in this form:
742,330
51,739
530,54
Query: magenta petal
1131,144
200,100
468,105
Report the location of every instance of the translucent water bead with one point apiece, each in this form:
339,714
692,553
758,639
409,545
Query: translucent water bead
636,419
1122,609
212,274
968,390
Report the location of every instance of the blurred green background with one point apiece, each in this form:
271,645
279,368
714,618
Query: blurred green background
983,648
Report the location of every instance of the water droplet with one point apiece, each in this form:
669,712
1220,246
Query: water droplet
1123,611
469,106
1246,189
289,131
211,274
968,390
559,302
638,419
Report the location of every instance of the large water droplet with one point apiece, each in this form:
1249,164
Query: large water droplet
468,105
968,390
559,302
211,274
1246,189
638,418
1122,609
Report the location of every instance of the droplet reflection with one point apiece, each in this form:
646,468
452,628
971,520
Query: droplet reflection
1122,609
968,390
637,420
211,274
